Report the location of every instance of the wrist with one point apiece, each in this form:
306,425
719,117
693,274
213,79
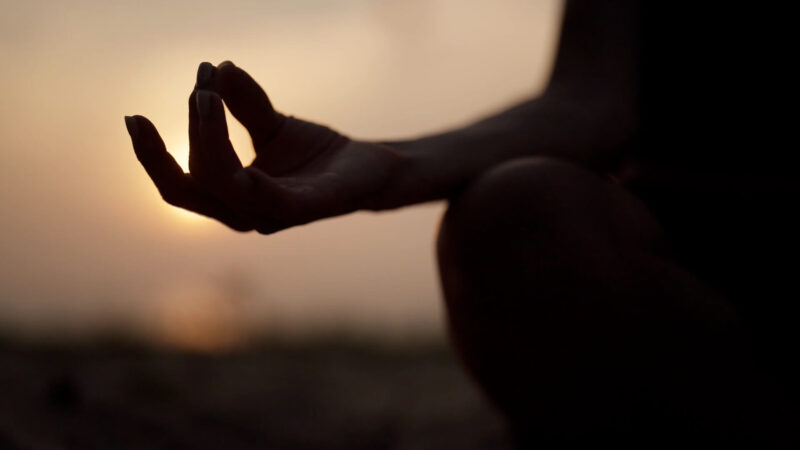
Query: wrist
412,178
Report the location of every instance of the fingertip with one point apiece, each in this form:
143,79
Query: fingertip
143,133
148,145
145,130
142,123
247,101
132,126
228,74
205,74
226,70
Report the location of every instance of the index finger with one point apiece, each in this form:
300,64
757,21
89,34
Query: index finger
151,152
176,187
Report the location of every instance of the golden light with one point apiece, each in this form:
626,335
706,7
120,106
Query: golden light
180,151
80,209
197,317
185,216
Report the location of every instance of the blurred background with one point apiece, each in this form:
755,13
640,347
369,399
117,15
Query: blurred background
90,252
87,243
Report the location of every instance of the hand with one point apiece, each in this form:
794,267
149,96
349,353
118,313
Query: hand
302,171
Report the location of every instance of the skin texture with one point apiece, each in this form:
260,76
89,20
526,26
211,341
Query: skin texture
575,292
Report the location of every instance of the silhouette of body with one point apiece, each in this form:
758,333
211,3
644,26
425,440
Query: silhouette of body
611,269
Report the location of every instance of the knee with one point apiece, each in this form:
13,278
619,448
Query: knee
509,208
514,268
536,237
504,191
501,202
506,244
541,204
485,222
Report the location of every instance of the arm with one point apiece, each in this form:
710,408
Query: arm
304,171
587,114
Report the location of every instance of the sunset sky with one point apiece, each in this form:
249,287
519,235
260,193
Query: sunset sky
86,241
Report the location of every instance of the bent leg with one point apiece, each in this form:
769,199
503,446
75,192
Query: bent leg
566,308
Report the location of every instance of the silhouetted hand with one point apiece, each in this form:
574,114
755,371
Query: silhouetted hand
302,171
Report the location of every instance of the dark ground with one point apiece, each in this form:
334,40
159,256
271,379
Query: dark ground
299,396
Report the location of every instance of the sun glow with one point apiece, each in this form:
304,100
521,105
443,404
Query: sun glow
188,217
181,154
82,220
197,317
180,151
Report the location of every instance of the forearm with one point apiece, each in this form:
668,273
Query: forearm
590,133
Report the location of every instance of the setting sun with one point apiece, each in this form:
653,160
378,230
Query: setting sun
81,209
197,317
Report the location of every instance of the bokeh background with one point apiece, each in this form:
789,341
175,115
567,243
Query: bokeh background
128,324
89,248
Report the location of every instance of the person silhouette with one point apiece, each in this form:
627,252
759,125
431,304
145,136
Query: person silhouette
584,258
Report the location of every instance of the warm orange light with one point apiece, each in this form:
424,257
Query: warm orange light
81,219
197,317
186,217
180,152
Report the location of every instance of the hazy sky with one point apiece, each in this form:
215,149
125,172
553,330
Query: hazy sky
86,241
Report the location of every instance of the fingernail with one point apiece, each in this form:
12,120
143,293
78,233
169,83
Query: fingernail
243,180
204,103
204,73
133,127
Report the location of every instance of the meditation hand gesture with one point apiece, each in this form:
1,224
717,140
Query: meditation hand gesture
302,171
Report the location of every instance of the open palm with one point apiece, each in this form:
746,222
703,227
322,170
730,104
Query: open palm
302,171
